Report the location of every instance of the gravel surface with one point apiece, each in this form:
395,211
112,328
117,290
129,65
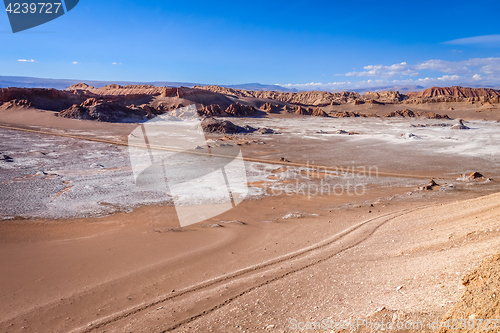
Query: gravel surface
57,177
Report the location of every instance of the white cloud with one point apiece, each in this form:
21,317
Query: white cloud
443,66
75,63
475,71
116,63
487,40
401,69
444,80
26,60
471,66
485,65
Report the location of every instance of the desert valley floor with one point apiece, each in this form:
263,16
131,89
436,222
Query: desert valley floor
415,208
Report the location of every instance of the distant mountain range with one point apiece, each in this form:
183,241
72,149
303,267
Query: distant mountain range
61,84
402,89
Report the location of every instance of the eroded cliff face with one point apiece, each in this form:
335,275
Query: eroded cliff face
386,97
118,103
48,99
312,98
454,94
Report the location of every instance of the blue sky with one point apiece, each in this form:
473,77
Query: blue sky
305,45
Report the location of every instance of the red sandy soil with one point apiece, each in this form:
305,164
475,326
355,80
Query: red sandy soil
138,272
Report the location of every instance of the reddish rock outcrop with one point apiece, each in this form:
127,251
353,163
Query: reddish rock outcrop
318,112
301,110
89,102
238,110
17,104
270,108
453,94
455,91
407,113
46,99
347,114
150,111
373,101
211,110
80,86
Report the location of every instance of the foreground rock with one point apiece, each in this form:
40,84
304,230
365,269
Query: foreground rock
6,158
432,184
471,176
218,126
212,125
265,130
460,125
481,300
410,136
104,111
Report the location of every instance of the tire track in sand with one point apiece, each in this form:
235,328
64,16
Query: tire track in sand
319,250
340,168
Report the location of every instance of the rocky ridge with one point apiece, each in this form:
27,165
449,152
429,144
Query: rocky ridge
454,94
311,98
82,101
